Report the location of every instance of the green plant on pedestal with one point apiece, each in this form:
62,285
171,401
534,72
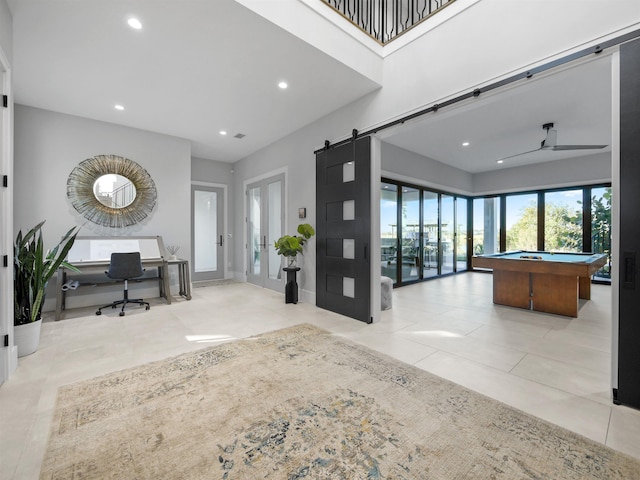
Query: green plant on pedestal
290,245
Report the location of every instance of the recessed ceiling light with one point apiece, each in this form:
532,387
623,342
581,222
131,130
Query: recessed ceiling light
465,144
283,85
222,132
134,23
118,107
500,161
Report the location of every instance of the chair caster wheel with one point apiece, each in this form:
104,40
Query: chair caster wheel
98,312
147,307
121,314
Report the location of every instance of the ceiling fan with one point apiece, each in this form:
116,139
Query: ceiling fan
551,143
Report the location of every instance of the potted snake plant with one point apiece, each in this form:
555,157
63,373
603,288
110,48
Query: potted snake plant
33,268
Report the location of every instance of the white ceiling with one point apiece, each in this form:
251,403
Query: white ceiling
195,68
509,121
201,66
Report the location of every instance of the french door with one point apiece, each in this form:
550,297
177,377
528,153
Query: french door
207,232
424,233
8,358
265,224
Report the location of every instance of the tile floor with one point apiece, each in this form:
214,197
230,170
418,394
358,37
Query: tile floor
553,367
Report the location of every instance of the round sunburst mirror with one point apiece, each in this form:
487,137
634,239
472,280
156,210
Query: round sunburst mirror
111,191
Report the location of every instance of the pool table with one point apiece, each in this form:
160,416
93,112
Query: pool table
542,281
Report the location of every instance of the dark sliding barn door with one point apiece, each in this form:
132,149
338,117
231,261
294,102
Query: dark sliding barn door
343,202
628,392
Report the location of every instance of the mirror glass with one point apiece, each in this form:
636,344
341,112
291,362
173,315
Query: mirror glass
111,191
115,191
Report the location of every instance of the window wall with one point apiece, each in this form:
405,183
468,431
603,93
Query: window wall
486,225
389,229
600,199
462,233
424,233
410,234
563,221
560,220
427,233
430,235
447,233
522,221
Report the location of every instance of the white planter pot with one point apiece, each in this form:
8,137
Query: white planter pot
27,337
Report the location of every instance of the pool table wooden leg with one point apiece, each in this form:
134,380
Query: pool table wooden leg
511,288
555,294
585,288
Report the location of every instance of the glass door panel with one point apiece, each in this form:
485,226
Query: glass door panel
447,225
254,231
389,230
410,234
563,221
275,227
430,222
265,224
486,225
207,223
522,222
461,234
601,228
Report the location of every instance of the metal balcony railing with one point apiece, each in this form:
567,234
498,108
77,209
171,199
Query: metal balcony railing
123,195
385,20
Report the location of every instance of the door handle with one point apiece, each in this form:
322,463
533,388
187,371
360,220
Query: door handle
220,244
264,242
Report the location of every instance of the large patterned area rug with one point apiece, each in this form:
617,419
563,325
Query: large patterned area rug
301,403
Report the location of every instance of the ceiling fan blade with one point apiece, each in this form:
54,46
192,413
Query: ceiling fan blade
550,143
523,153
576,147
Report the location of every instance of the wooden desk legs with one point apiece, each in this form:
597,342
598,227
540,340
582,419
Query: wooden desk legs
184,279
163,283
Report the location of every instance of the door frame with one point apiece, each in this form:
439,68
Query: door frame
284,171
225,225
8,354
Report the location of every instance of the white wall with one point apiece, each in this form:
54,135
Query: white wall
211,171
49,145
401,164
6,31
585,170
